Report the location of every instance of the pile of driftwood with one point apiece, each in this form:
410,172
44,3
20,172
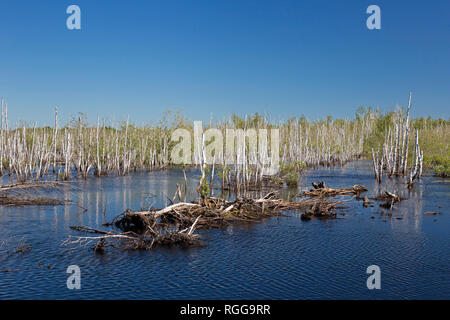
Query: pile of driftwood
148,238
320,190
177,223
216,212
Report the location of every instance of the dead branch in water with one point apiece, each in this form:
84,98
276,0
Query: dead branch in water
19,187
35,201
24,194
133,241
26,269
22,246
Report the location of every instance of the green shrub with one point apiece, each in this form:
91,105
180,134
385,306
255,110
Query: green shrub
290,173
440,164
204,188
442,170
292,179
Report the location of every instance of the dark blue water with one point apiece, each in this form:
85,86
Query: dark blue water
280,258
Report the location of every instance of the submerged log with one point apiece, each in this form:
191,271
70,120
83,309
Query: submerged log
389,199
24,194
31,201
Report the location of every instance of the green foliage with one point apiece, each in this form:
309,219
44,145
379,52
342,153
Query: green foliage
440,164
290,172
291,167
292,179
434,134
5,163
442,170
204,188
279,180
222,171
252,121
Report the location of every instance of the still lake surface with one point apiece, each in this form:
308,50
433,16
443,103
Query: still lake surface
279,258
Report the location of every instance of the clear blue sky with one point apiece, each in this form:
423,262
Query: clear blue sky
286,58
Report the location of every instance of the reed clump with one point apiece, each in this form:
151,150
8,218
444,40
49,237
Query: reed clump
291,173
440,165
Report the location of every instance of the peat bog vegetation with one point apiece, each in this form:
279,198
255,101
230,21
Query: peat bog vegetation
35,159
